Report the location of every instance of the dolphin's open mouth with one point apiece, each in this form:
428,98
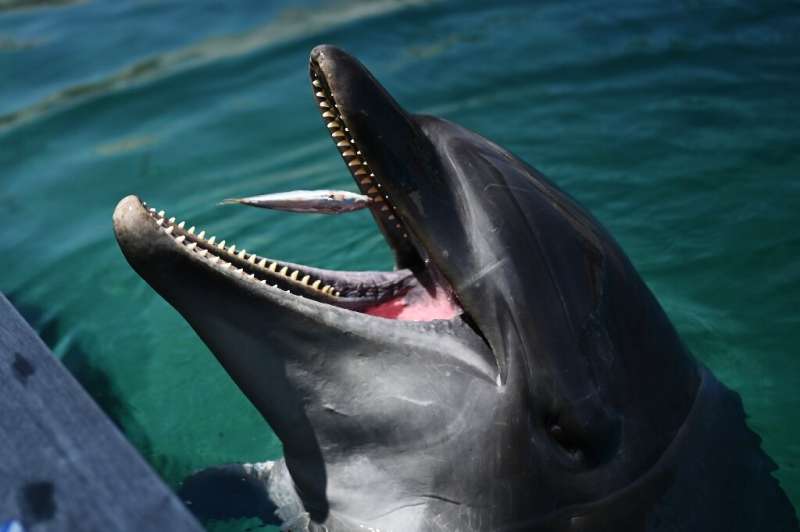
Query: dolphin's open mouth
415,293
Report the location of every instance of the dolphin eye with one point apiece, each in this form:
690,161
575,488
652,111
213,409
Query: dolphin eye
566,441
587,437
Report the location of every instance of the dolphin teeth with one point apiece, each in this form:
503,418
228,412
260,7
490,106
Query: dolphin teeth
203,252
273,266
210,240
180,239
262,263
293,277
338,293
180,225
337,134
355,162
242,253
161,214
328,114
343,143
284,270
160,221
169,229
348,153
324,104
315,284
333,124
372,190
191,246
365,181
319,94
252,259
214,259
191,231
221,245
152,209
361,171
172,220
305,279
316,83
232,249
327,288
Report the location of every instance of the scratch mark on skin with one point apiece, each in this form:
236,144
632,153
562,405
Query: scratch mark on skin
414,401
440,498
483,272
333,410
421,503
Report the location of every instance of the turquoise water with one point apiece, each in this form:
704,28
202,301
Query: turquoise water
677,125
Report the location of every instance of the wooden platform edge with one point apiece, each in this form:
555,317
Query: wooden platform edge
64,466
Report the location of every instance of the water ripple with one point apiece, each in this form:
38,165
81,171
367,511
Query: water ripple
291,24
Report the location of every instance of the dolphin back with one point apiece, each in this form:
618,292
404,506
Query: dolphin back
722,478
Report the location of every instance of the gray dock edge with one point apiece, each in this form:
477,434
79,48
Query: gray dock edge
64,466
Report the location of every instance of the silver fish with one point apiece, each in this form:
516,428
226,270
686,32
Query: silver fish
316,201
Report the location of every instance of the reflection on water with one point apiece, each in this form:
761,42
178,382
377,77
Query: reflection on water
674,123
289,24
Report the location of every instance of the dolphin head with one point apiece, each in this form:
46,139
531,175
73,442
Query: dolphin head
512,370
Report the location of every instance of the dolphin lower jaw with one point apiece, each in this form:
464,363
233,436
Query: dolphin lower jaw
353,290
381,293
259,332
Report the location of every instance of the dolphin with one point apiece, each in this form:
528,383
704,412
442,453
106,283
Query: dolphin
513,372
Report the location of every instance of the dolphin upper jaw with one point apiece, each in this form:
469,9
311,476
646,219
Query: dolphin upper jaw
382,136
398,154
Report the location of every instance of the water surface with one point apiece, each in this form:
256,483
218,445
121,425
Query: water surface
675,123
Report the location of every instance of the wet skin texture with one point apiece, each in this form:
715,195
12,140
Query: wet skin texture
561,399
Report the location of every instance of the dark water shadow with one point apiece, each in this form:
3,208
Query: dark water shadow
225,493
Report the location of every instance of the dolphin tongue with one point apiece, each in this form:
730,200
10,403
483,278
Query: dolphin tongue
314,201
418,304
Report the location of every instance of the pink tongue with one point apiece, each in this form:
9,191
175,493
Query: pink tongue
425,307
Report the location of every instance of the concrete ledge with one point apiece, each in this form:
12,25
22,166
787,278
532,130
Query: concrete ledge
63,465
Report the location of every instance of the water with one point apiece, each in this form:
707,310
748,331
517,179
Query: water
677,125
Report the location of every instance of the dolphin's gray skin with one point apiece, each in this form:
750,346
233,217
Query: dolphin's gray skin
531,382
